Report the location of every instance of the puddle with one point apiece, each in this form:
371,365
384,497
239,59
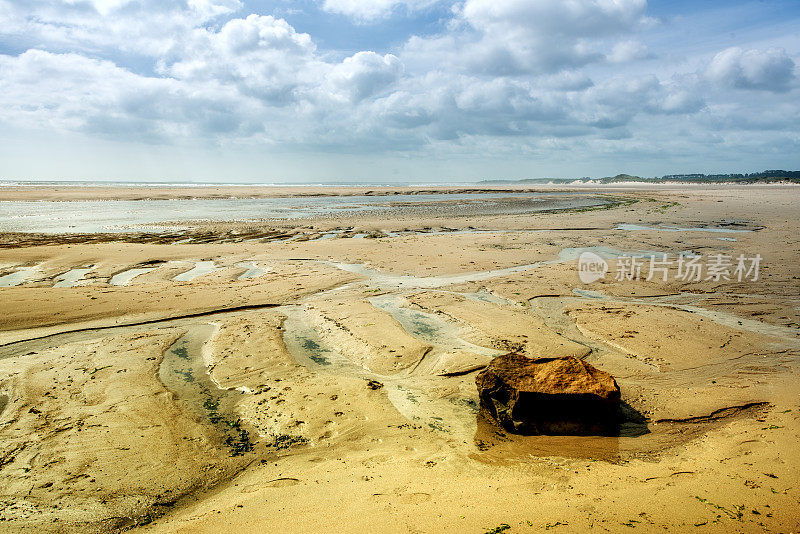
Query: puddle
200,268
17,277
253,270
124,278
183,371
428,327
309,349
72,277
664,228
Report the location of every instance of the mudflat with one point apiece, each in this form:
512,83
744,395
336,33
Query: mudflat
318,374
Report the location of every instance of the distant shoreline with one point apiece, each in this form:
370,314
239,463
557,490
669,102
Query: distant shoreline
765,177
66,192
270,189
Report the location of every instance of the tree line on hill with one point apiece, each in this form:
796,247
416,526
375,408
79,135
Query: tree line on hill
771,176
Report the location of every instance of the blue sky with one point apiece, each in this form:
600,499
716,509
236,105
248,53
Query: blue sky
408,91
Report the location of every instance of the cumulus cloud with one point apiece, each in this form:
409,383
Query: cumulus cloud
70,91
365,74
769,70
582,18
517,37
371,10
626,51
149,27
261,55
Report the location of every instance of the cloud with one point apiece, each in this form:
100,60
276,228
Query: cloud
518,37
148,27
626,51
365,74
72,92
262,56
768,70
364,11
577,18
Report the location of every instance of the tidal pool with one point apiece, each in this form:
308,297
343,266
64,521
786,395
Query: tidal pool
72,277
200,268
124,278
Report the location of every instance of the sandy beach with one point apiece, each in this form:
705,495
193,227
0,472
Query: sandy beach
319,373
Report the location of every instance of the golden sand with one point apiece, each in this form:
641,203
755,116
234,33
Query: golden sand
335,390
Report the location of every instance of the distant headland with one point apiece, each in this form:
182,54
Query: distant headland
774,176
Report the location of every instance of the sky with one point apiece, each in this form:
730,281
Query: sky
388,91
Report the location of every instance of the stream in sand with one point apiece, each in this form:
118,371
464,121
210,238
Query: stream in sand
664,228
184,372
428,327
393,281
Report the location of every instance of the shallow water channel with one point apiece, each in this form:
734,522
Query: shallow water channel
184,372
72,278
17,277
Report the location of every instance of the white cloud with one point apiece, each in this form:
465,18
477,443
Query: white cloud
370,10
582,18
149,27
104,7
261,55
769,70
516,37
365,74
626,51
72,92
211,9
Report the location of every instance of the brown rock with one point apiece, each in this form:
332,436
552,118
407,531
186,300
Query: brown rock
557,396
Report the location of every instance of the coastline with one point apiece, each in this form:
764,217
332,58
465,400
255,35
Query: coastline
63,193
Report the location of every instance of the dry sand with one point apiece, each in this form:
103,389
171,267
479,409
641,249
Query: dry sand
335,391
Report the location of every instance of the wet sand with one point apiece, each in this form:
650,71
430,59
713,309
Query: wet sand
332,387
169,192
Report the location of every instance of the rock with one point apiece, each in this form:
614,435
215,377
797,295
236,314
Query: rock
556,396
374,384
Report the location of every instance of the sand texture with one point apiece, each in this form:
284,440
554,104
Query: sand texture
333,388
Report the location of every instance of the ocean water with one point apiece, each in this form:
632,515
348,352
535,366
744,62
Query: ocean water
123,215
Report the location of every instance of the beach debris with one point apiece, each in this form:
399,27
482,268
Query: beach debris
554,396
374,384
